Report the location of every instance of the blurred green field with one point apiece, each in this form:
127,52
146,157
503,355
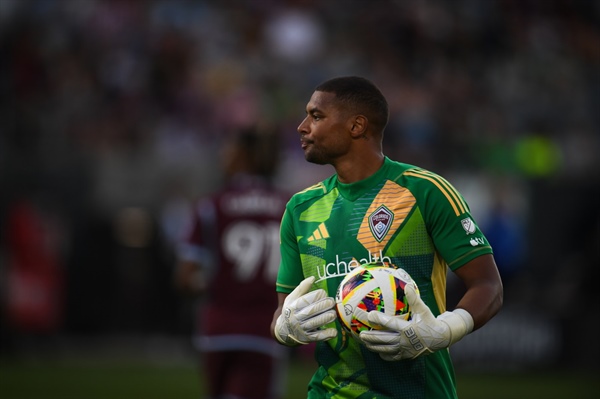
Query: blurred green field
129,380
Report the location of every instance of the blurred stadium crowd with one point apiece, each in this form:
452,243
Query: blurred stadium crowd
113,112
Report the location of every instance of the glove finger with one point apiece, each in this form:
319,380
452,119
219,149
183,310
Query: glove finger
389,357
322,335
309,299
376,338
319,320
381,341
300,290
315,308
387,322
416,304
361,315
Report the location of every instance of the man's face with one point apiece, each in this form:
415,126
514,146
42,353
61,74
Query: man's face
324,132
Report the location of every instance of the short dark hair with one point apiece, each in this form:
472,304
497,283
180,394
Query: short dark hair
361,96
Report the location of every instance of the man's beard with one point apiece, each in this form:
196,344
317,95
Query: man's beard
321,156
317,157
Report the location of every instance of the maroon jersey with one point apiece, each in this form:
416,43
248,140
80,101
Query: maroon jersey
235,236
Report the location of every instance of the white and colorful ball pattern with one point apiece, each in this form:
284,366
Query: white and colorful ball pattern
372,287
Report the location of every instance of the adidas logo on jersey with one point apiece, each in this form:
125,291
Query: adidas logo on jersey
320,233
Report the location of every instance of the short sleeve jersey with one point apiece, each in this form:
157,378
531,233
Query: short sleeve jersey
235,236
404,215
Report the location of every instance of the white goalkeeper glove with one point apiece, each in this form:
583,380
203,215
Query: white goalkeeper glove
304,314
400,339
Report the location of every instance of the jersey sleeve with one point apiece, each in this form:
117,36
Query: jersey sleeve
455,233
290,269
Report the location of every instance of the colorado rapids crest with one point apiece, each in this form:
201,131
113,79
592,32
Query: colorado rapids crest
380,222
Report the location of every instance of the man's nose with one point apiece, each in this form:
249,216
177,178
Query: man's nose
302,127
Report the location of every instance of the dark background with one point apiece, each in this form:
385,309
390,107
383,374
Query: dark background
112,114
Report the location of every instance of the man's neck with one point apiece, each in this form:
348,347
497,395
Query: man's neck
358,168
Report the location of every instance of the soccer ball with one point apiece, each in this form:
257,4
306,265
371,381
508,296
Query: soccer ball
374,286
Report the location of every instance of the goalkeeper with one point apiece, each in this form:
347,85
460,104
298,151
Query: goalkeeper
374,208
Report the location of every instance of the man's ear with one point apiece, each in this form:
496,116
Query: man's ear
358,126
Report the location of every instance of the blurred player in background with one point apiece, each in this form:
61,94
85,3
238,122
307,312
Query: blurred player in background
374,209
230,260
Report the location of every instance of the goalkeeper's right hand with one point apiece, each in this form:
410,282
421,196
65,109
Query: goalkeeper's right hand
304,314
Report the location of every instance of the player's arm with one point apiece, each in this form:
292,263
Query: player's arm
301,314
483,297
424,333
456,237
193,256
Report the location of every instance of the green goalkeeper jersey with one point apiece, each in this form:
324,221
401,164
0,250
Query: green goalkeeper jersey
402,214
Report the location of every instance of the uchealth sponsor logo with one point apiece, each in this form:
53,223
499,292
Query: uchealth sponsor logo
341,268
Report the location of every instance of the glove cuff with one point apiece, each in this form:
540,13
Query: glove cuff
460,322
285,340
279,338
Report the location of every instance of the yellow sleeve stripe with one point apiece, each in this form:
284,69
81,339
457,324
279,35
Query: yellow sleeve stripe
446,188
318,186
285,286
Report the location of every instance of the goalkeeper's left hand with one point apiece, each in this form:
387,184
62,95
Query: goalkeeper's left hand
399,339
